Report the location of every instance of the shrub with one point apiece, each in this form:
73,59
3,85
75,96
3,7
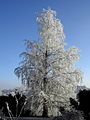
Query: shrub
70,115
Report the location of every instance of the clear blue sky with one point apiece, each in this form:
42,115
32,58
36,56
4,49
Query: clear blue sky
18,22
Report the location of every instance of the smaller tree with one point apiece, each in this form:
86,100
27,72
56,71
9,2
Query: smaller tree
82,103
14,106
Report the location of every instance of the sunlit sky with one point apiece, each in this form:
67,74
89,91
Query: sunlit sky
18,22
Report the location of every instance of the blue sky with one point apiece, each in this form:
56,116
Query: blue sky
18,22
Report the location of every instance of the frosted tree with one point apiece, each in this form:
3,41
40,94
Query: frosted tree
47,68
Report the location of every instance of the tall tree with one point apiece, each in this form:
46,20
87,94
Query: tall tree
47,68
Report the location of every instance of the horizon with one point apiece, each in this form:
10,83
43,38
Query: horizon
18,22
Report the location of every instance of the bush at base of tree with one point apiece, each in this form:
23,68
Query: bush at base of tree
70,115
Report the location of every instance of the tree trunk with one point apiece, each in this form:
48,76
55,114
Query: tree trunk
45,108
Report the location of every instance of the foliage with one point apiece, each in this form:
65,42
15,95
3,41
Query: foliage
47,68
13,106
74,104
82,103
70,115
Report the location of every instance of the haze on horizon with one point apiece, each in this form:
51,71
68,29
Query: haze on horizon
18,22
